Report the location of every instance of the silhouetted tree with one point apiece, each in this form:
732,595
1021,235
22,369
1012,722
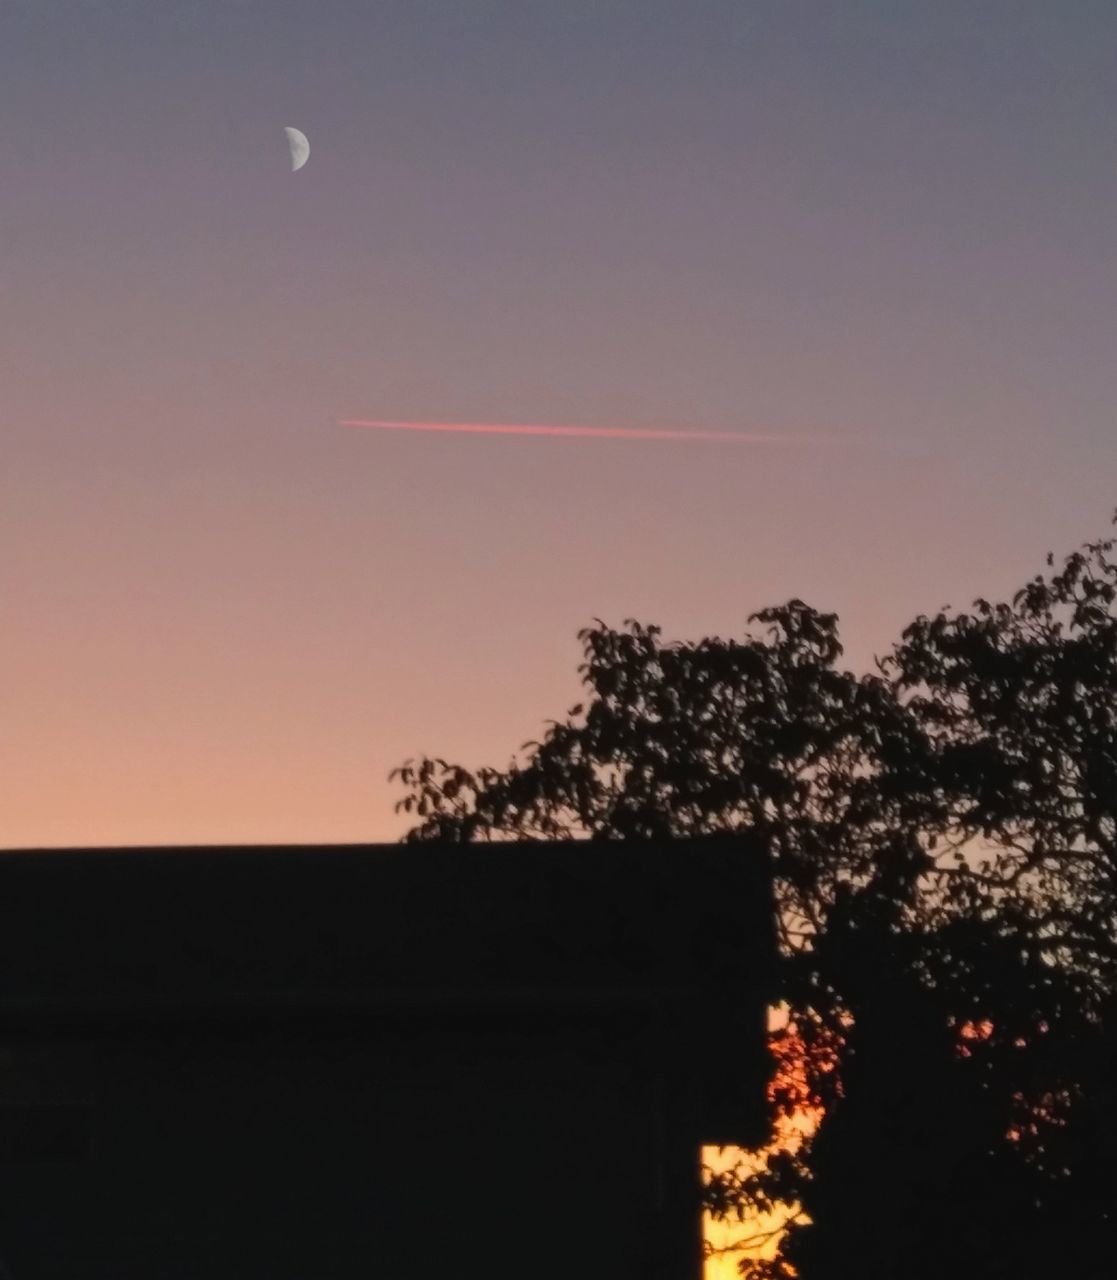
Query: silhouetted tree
1018,703
944,843
763,734
935,1157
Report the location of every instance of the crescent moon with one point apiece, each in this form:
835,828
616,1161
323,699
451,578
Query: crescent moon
300,147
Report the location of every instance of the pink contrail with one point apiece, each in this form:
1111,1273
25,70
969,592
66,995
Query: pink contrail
611,433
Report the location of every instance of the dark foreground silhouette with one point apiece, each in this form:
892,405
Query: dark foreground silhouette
375,1061
943,835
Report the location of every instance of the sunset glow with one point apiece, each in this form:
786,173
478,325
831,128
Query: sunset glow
810,340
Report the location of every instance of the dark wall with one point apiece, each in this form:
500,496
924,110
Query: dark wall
408,1150
491,1062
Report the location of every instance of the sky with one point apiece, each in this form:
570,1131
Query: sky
885,225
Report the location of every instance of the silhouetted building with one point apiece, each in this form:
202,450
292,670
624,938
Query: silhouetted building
383,1061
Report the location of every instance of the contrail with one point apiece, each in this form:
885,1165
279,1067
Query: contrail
609,433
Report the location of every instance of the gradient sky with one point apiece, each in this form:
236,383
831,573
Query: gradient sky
224,617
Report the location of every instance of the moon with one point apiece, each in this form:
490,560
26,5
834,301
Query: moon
300,147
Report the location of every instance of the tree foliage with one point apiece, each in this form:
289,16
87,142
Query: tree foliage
944,840
762,734
1018,703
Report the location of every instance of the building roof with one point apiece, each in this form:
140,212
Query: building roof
563,937
379,925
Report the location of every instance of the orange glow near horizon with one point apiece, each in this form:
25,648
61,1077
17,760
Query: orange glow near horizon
228,618
758,1235
605,433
